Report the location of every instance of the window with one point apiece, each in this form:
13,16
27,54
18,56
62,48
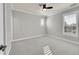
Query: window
70,24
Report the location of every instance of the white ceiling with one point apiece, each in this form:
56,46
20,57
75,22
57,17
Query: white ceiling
34,8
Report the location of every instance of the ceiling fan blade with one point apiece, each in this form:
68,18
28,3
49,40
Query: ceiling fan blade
49,7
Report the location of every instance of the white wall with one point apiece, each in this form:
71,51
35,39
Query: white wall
55,28
1,27
1,24
26,25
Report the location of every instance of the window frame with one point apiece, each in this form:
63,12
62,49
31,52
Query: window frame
70,13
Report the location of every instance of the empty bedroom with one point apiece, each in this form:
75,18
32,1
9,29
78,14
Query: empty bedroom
39,28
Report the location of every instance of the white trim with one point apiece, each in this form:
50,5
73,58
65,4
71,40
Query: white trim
9,45
11,23
63,39
11,31
28,12
28,38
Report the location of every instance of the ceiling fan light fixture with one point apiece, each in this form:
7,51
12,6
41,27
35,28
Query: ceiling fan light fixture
44,9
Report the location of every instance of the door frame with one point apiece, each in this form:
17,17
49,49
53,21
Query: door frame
7,7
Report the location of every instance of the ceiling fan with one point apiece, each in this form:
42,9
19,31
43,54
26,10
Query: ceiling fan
44,7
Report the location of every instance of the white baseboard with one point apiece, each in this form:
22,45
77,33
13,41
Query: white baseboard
28,38
63,39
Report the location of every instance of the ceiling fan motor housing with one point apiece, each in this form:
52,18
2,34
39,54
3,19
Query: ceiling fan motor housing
44,6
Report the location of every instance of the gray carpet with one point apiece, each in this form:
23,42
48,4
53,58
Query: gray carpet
30,46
